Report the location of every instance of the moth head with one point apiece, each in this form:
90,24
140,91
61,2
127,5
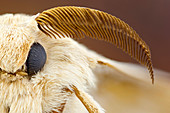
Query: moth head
20,54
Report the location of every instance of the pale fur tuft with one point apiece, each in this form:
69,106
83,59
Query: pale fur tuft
67,64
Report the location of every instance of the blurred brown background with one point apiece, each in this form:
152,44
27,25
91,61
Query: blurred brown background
150,18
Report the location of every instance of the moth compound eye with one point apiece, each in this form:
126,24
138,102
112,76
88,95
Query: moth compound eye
36,59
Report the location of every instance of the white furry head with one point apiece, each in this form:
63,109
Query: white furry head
67,63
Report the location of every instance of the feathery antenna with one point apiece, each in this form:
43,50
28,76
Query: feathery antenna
78,22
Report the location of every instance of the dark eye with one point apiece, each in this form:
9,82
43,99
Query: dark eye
36,59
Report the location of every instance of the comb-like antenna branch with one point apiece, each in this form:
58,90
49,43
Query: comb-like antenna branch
77,22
